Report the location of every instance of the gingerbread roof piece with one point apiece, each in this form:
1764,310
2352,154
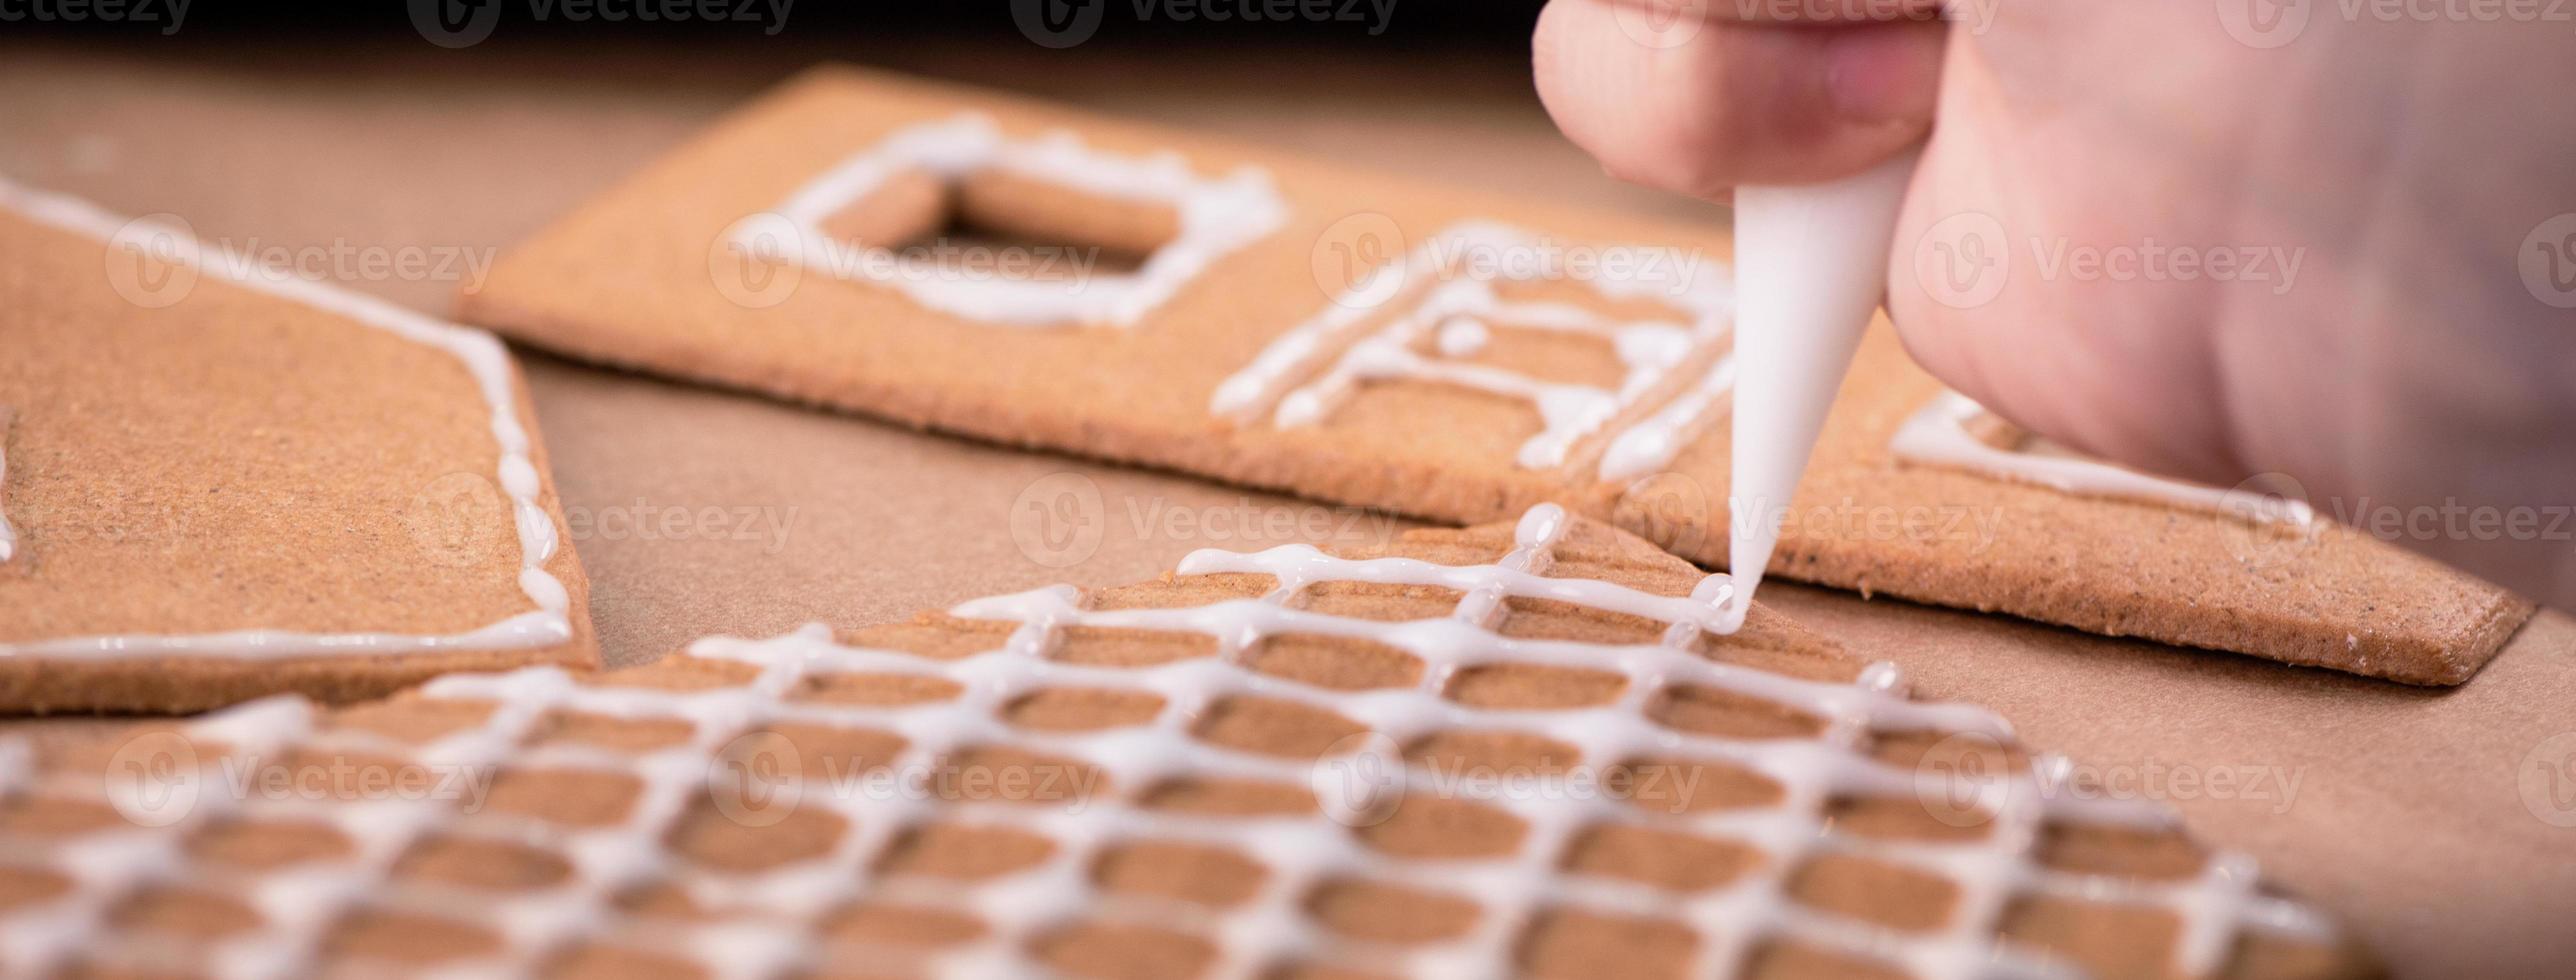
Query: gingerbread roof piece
1506,749
221,480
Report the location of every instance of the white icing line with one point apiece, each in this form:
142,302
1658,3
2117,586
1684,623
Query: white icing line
1451,311
484,358
8,535
1651,445
1937,435
766,923
1217,217
1251,391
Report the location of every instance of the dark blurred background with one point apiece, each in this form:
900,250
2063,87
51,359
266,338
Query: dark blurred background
285,120
1448,23
1283,71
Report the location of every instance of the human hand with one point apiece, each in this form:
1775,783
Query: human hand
2175,237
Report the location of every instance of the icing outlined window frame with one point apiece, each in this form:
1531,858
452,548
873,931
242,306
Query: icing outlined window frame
1214,217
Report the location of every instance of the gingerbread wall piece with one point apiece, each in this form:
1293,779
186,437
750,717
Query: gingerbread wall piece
1377,341
224,481
1215,774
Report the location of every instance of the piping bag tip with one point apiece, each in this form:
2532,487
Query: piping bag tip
1811,266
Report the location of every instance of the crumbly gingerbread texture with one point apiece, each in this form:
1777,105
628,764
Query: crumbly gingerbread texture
639,277
1061,792
231,460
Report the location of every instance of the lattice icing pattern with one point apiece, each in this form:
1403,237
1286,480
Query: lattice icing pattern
1194,702
1424,315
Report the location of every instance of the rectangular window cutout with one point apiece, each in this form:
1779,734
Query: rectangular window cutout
995,221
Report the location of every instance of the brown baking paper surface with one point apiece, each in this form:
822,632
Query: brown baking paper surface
2440,826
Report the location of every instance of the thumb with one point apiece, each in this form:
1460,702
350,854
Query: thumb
1696,101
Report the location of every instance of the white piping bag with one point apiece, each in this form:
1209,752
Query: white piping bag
1811,266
